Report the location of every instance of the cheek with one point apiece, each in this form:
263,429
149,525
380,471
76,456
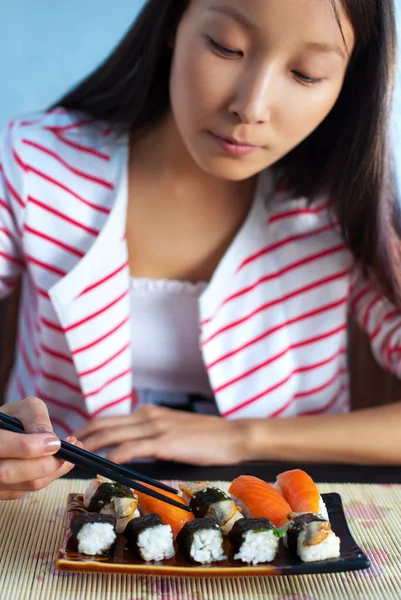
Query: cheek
304,111
193,91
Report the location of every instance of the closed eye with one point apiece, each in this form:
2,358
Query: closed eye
306,79
227,52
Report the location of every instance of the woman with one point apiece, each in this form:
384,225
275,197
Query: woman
223,180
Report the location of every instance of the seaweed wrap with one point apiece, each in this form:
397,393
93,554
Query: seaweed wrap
106,497
201,541
310,537
206,500
148,537
94,534
255,540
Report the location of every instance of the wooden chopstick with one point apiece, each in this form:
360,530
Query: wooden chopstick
93,463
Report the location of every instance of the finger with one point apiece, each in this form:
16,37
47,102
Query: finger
99,425
129,451
33,414
57,468
142,415
111,437
37,484
20,470
11,495
20,445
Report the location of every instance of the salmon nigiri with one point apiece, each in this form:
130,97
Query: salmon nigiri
260,500
301,492
171,515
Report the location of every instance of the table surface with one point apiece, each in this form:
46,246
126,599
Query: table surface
265,470
32,529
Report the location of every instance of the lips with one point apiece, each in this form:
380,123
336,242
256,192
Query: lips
233,146
237,142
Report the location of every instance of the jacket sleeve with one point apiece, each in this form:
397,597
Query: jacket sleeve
12,208
379,318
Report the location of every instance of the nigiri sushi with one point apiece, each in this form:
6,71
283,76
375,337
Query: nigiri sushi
148,537
206,500
94,534
301,492
109,498
171,515
311,538
201,540
255,540
259,499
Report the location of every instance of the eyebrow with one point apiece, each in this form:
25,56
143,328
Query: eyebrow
234,14
321,47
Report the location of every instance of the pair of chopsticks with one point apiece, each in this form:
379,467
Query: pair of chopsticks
93,463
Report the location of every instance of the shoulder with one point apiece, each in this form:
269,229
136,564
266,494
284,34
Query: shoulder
62,164
57,134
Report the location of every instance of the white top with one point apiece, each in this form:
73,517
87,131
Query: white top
165,336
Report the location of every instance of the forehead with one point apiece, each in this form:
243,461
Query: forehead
296,19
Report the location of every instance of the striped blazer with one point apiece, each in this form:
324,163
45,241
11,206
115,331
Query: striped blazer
273,320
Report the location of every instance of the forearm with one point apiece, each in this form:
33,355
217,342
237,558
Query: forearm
371,436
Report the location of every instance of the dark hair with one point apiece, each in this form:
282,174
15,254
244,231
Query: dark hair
348,157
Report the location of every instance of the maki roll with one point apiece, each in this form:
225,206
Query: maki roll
311,538
171,515
206,500
255,540
148,537
109,498
93,533
201,541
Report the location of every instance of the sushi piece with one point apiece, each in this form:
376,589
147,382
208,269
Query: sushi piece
255,540
201,541
259,499
149,538
311,538
206,500
301,492
114,499
92,487
94,534
171,515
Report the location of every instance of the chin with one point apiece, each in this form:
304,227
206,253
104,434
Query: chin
229,169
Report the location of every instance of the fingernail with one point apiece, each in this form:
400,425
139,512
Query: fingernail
51,445
44,430
72,440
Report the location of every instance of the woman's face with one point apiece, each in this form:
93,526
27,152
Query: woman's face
251,79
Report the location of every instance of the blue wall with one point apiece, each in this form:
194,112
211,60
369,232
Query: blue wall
48,45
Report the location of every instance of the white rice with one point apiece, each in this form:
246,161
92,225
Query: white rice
156,543
95,538
323,510
258,547
328,548
207,546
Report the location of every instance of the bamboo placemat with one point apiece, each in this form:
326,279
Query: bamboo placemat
31,531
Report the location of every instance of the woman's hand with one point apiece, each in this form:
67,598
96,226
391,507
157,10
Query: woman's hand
168,434
26,461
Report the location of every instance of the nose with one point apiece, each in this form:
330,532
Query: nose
252,103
